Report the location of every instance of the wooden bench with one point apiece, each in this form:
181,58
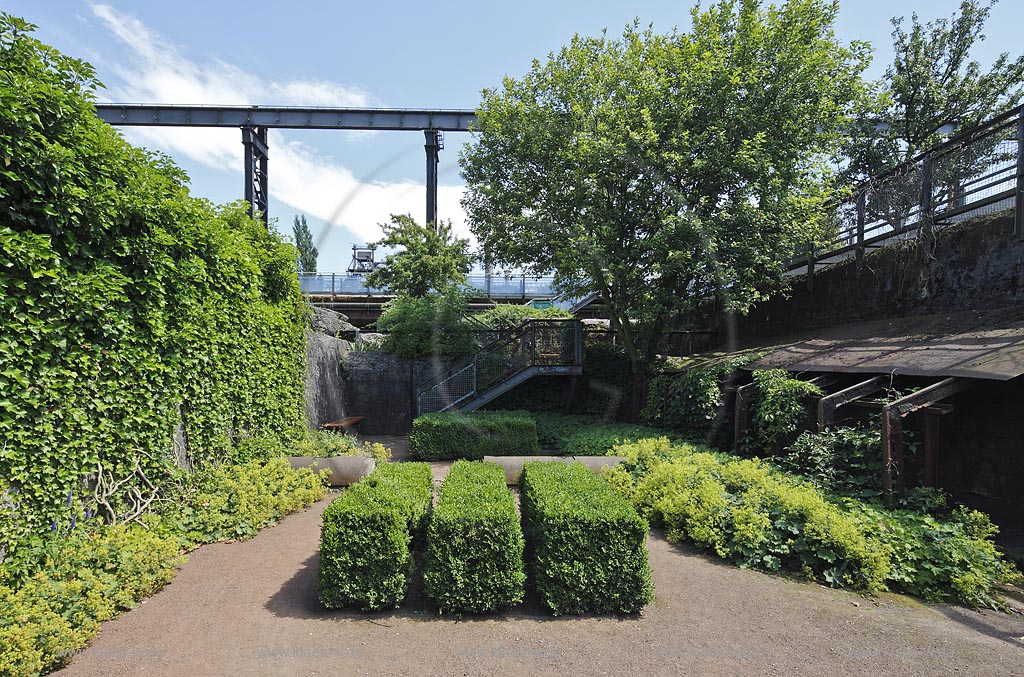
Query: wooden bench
344,424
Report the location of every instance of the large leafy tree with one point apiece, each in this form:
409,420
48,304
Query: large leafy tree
931,87
427,259
304,243
660,169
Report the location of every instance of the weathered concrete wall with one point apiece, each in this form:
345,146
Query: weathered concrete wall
977,265
382,387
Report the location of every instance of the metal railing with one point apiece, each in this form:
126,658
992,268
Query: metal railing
519,286
539,343
976,172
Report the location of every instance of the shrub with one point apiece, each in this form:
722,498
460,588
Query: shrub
326,444
88,574
588,545
756,516
781,411
370,535
428,325
94,574
474,542
472,435
236,501
508,316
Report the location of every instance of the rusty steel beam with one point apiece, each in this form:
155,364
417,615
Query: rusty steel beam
892,427
827,405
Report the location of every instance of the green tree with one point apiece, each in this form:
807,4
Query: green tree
662,169
304,243
931,86
429,261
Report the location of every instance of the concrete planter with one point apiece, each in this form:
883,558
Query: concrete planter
343,470
513,465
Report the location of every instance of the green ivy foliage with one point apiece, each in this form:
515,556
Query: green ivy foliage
588,546
370,536
474,542
781,411
472,435
690,402
127,308
585,435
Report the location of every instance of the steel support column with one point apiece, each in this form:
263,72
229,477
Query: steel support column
256,151
434,144
1018,198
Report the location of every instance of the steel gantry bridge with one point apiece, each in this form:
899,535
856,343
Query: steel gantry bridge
254,121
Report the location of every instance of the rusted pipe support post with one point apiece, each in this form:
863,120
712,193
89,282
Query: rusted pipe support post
741,419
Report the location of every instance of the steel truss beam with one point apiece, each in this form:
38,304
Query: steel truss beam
254,122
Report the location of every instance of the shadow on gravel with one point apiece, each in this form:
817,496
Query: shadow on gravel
994,624
297,598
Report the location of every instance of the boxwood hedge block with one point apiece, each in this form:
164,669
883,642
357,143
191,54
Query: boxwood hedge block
474,543
370,535
472,435
587,545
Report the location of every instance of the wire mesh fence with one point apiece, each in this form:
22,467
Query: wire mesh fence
977,172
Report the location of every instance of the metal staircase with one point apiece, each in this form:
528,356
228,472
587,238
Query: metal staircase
539,347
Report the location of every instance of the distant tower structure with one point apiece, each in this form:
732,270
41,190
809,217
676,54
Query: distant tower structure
362,259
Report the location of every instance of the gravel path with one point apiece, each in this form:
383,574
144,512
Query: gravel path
251,608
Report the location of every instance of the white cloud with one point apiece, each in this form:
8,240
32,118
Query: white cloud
299,176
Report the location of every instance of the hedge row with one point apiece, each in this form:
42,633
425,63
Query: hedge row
584,435
472,435
750,513
370,536
474,543
588,544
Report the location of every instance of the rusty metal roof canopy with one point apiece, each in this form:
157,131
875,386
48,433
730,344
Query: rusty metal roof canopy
986,345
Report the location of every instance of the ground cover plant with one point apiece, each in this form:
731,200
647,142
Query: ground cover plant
574,435
748,512
474,542
54,597
587,545
472,435
371,535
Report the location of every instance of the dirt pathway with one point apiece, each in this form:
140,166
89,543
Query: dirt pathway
251,608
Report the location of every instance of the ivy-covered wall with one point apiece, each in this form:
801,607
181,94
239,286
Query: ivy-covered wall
128,309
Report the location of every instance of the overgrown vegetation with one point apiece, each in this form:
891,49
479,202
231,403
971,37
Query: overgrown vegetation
749,513
127,309
426,325
472,435
474,542
508,316
690,402
588,549
371,535
782,409
54,598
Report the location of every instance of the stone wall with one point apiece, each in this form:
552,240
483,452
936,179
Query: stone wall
382,387
325,354
977,265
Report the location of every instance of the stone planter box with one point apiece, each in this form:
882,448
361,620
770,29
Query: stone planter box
343,470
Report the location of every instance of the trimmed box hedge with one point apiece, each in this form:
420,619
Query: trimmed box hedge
472,435
370,536
474,542
588,545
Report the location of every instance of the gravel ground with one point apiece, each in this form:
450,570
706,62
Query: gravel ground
251,608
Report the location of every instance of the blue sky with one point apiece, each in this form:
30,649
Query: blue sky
386,54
